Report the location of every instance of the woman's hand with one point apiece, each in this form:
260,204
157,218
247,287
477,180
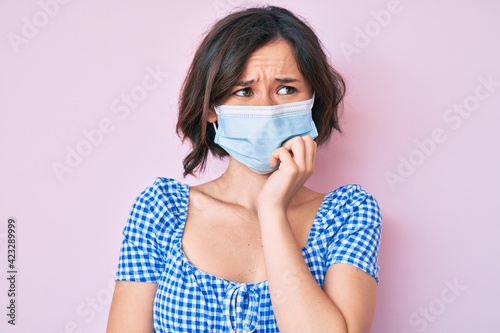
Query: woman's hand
296,157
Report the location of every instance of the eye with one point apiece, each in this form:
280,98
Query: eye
245,92
286,90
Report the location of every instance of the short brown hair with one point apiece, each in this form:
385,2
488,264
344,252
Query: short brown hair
220,60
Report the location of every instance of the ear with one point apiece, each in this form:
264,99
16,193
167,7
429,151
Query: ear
212,116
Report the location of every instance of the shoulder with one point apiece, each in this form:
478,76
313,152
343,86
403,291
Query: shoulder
164,190
351,226
350,199
165,194
158,206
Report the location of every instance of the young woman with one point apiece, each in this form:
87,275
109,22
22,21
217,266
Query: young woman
253,250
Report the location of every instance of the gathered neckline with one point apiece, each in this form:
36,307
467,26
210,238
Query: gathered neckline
196,270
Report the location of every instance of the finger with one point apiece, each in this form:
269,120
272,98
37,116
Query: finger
310,152
297,148
283,156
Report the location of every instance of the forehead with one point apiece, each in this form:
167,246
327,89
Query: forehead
276,57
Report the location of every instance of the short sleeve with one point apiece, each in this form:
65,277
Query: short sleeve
357,241
140,257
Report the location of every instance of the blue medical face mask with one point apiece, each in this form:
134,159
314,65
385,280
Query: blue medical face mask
251,133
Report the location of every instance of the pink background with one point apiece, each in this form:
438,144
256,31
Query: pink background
410,66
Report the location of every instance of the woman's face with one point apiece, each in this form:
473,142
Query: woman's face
271,76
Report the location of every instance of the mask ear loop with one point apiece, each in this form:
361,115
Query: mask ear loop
312,100
215,126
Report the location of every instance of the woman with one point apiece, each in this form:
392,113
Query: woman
253,250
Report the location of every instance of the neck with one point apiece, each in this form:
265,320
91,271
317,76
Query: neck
240,185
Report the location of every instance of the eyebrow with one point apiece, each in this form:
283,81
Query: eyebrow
286,80
280,80
244,83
